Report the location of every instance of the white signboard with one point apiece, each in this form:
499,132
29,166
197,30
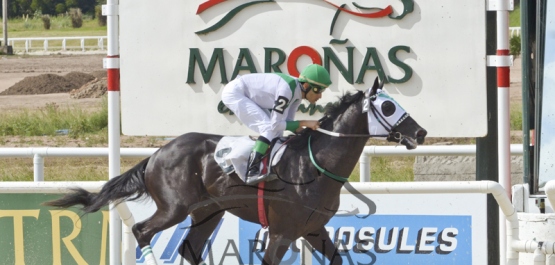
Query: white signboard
405,229
176,56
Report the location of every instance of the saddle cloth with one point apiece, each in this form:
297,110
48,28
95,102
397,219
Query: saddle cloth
232,154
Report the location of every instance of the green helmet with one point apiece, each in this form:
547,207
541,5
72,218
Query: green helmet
315,75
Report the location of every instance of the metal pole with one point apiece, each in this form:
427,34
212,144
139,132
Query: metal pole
5,22
503,118
486,147
503,85
111,63
527,35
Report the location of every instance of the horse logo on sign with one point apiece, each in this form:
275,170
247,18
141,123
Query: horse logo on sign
365,12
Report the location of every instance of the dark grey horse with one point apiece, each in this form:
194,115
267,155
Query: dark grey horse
183,179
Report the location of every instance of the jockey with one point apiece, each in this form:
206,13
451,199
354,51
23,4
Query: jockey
267,103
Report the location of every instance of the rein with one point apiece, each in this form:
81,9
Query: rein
321,169
336,134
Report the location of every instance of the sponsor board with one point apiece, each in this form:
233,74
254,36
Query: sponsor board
379,239
175,63
34,234
406,229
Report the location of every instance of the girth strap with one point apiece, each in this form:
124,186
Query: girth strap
260,194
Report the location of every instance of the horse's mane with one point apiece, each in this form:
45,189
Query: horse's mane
332,112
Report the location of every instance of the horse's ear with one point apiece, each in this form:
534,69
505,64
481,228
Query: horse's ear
372,91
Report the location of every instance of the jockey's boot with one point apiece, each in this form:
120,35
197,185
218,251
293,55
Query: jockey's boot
253,168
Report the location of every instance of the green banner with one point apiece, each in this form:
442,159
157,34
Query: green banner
34,234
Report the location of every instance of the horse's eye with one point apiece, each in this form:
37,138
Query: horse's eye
388,108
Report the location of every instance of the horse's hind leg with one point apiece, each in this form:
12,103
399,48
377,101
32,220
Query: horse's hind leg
204,221
321,241
161,220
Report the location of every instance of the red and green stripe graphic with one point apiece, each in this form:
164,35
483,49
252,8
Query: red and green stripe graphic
408,7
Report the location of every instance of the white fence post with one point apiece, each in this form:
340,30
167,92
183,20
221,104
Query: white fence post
364,161
38,168
514,31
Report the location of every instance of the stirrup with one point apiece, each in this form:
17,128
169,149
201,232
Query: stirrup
262,177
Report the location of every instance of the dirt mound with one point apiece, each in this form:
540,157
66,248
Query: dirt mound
50,83
93,89
78,78
41,84
99,74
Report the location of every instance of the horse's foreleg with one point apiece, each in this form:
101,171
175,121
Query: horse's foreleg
204,221
321,241
145,230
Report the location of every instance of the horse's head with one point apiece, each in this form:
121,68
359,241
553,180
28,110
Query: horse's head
387,117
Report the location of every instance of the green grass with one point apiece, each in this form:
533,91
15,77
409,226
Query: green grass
91,129
51,118
516,116
514,17
387,169
60,27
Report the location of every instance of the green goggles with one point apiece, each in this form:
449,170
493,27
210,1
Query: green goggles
316,89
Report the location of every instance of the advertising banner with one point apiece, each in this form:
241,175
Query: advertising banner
34,234
175,61
405,229
401,229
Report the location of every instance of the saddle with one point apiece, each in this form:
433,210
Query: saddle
232,154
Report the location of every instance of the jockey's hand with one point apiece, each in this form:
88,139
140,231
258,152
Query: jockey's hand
309,124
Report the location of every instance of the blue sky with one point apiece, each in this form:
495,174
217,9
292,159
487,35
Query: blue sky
547,151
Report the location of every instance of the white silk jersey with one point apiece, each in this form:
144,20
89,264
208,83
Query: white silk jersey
264,102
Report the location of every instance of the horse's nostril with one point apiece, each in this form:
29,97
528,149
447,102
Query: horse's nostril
421,133
420,136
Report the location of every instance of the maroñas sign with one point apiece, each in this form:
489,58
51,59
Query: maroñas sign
175,63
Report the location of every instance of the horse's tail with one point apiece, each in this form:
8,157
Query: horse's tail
130,184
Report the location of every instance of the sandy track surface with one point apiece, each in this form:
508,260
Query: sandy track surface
15,68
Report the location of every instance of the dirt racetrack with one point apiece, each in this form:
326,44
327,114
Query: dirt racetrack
28,81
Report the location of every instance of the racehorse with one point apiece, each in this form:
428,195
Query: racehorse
183,179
